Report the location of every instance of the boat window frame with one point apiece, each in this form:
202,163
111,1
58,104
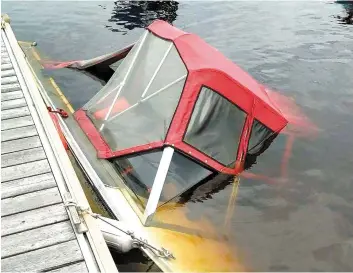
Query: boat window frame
248,149
246,117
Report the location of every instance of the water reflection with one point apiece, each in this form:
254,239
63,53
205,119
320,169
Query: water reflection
128,15
134,261
347,19
205,189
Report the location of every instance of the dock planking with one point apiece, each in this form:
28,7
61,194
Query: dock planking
18,133
33,219
10,104
30,201
15,113
27,185
44,258
20,144
36,238
77,267
24,170
23,156
11,95
36,231
9,87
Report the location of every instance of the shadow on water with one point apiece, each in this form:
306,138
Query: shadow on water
134,261
128,15
346,19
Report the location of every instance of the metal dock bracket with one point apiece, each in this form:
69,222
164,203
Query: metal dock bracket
72,208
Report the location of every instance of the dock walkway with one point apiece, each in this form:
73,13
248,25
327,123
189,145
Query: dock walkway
38,232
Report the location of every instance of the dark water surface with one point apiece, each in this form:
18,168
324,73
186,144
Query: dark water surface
304,49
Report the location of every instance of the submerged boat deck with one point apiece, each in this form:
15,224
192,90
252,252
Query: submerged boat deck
39,232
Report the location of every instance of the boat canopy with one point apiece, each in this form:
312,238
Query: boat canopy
173,89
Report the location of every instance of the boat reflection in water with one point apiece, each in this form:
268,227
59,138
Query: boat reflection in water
128,15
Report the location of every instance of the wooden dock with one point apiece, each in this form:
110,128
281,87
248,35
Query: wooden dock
41,228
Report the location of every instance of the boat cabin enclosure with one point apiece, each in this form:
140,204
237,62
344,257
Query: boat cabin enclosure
177,108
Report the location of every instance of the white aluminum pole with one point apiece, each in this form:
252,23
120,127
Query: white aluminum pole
158,184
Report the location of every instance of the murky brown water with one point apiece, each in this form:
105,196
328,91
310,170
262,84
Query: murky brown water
304,49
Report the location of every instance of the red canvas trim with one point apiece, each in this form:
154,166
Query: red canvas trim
140,148
187,149
243,142
93,134
164,30
103,150
82,64
269,117
183,113
58,129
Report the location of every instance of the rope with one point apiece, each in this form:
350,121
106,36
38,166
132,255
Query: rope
232,200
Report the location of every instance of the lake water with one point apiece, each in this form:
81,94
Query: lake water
302,48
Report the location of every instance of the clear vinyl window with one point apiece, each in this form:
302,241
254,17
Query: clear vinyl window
139,170
215,126
137,105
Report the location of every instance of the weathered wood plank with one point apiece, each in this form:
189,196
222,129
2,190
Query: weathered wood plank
13,103
36,238
10,87
30,201
24,170
4,53
6,67
78,267
11,95
15,113
32,219
27,185
21,157
44,258
17,133
7,73
9,80
5,60
16,123
20,144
